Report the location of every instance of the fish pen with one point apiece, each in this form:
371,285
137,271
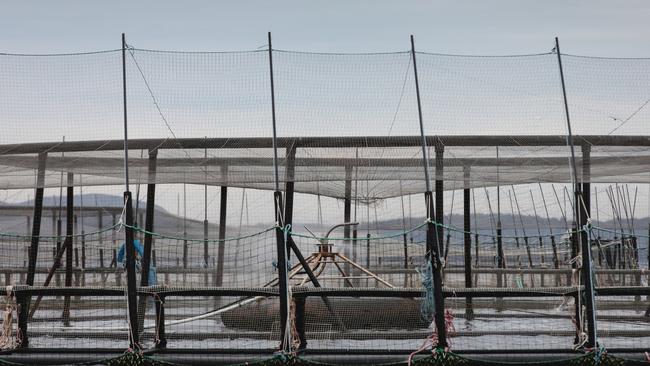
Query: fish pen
284,207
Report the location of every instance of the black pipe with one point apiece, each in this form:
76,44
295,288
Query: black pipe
469,312
134,335
33,248
148,238
221,247
347,214
283,280
289,189
69,227
433,252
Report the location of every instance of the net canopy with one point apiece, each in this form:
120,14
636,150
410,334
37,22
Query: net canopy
359,235
499,120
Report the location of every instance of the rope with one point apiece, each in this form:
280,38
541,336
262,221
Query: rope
55,237
390,236
7,340
171,237
427,309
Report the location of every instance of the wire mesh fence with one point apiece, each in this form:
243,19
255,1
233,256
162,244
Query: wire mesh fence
510,225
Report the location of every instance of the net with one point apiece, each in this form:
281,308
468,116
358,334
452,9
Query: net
358,233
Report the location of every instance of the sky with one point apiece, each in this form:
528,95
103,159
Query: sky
501,27
603,28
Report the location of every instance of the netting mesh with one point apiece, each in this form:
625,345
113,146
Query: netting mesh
354,218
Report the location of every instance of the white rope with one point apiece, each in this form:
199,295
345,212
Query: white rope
168,323
7,340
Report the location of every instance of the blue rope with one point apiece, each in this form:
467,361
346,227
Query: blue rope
427,309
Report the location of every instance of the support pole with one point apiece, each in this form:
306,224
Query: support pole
69,228
148,238
586,178
581,219
434,237
223,211
149,218
467,249
132,301
439,149
33,247
347,216
134,335
206,253
289,189
283,281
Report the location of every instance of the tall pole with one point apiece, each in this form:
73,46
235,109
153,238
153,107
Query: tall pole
69,225
206,254
126,136
581,219
501,263
148,238
467,239
434,236
36,218
347,214
283,281
132,300
221,246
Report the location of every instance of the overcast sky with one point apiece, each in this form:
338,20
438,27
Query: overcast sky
605,28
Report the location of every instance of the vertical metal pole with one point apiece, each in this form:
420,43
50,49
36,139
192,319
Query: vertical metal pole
439,187
274,142
126,136
134,335
347,214
148,238
223,211
206,253
290,170
467,228
586,178
581,219
69,228
283,281
149,218
185,245
501,263
434,237
33,248
37,216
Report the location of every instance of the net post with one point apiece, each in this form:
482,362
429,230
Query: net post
126,137
149,217
69,227
586,178
283,280
434,235
581,216
439,150
223,211
132,301
206,253
37,217
148,227
289,184
467,239
347,214
134,335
